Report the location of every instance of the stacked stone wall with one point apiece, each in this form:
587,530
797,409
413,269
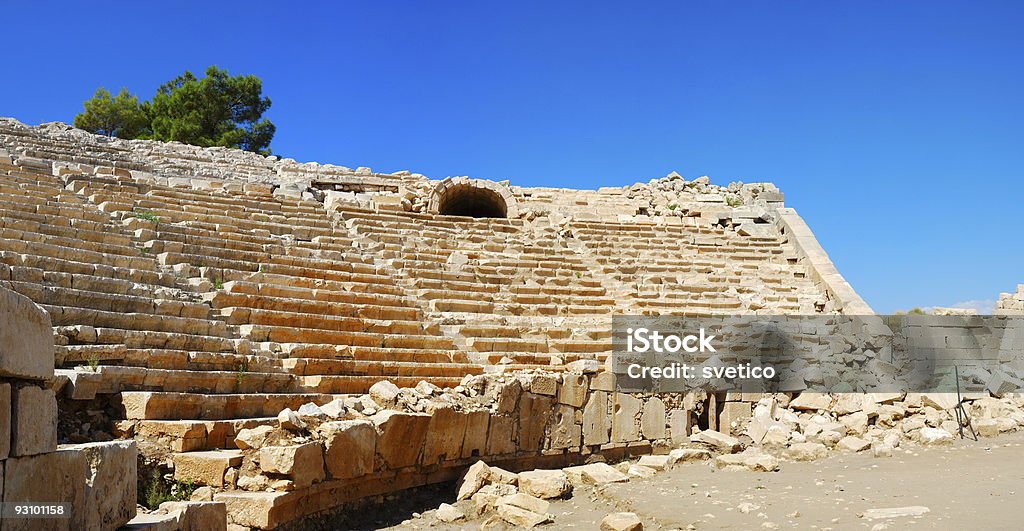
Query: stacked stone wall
96,479
1011,303
316,460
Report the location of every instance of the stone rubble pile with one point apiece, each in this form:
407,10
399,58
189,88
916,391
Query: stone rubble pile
1011,303
811,425
674,196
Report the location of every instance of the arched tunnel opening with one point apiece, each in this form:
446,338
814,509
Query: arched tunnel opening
472,201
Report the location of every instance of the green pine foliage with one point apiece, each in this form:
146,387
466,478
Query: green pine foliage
215,110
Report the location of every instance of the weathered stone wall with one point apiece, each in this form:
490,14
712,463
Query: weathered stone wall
177,164
97,479
320,458
1011,303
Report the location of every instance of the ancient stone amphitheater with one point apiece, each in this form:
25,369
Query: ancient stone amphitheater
297,339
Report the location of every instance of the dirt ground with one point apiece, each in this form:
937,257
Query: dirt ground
969,485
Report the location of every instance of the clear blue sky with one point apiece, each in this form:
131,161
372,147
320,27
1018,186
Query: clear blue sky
895,128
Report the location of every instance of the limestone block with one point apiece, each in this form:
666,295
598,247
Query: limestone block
474,444
544,384
732,414
534,412
657,462
525,501
935,436
686,455
26,339
109,477
5,421
253,437
262,510
508,397
724,442
594,474
97,479
626,409
811,401
750,459
400,437
622,522
350,447
520,517
544,484
595,419
199,516
603,381
33,420
573,391
679,425
303,463
474,478
384,393
806,451
205,468
444,436
565,432
652,421
55,477
501,435
853,444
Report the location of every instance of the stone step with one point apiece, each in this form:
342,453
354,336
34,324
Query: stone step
356,352
240,316
362,305
60,265
137,339
196,435
147,405
205,467
362,384
115,379
279,334
64,315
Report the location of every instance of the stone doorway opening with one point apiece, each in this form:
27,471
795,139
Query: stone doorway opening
473,198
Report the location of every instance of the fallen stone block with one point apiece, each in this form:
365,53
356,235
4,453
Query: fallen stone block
895,512
935,436
594,474
544,484
806,451
853,444
750,459
523,510
723,442
640,471
476,476
253,438
685,455
384,393
812,401
621,522
449,513
657,462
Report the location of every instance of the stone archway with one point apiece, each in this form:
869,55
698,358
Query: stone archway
475,198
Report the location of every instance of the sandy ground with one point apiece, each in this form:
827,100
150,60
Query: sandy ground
969,485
